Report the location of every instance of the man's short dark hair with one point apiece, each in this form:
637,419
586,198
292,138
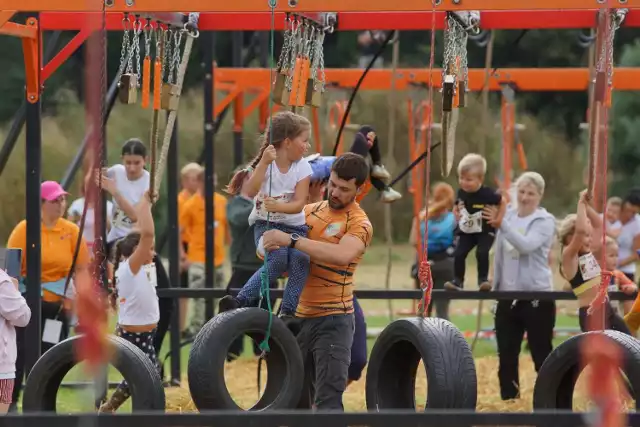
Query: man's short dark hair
351,166
633,198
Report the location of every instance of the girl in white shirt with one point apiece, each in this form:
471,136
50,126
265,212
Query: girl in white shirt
135,293
279,183
127,183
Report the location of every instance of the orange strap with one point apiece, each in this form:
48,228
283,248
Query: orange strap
146,81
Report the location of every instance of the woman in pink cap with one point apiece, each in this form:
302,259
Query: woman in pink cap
58,243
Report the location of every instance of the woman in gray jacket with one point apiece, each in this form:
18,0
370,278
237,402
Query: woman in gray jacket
521,263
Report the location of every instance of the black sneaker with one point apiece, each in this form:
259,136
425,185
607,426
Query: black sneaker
452,286
228,303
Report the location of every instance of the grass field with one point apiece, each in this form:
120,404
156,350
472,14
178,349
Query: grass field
241,374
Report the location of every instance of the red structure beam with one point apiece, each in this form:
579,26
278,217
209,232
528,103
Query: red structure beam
523,79
305,6
65,53
351,21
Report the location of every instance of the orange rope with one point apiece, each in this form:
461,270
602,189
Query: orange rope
424,270
600,352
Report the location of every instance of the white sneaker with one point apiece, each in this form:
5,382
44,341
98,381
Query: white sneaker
390,195
380,172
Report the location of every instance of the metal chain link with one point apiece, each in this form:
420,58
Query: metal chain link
286,44
175,63
321,60
168,54
132,46
317,52
125,45
148,35
455,46
136,47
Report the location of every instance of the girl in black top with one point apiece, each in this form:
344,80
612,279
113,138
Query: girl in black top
579,237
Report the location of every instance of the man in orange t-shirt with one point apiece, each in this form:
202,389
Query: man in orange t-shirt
339,233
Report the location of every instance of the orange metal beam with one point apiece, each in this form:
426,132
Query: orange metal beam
140,6
18,30
524,79
31,52
5,15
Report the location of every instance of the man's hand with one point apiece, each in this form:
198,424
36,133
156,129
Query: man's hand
315,191
275,239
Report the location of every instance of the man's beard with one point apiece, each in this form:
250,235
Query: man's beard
337,205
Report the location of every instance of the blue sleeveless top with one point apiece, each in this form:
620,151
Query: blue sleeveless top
440,232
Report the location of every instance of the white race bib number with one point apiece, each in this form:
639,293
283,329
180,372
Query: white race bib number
152,275
121,220
273,216
470,223
52,331
589,267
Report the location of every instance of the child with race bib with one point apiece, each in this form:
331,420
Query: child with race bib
279,183
580,237
473,230
135,293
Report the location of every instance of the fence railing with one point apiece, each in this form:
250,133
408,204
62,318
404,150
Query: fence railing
429,418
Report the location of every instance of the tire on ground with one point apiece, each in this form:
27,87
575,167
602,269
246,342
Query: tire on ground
447,358
209,353
41,388
560,371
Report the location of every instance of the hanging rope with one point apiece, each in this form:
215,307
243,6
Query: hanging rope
191,29
424,270
265,294
600,352
388,221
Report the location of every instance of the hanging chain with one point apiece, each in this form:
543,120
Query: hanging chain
455,49
317,54
321,62
125,44
286,45
308,42
175,62
296,37
168,54
136,47
148,35
136,28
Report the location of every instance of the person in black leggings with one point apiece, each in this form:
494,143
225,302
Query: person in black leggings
366,144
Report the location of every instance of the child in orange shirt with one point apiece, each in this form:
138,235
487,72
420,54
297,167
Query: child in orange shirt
619,281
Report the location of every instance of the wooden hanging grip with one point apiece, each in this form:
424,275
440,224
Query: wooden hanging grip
170,97
128,89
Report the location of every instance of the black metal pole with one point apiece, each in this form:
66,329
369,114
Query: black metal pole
21,113
236,59
174,251
208,45
76,163
33,163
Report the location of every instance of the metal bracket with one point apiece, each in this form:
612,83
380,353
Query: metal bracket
327,20
508,91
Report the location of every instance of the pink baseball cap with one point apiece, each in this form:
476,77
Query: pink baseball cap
51,190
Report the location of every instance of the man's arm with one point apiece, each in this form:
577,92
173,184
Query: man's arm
345,252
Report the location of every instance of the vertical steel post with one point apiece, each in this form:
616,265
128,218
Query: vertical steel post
208,44
174,251
33,217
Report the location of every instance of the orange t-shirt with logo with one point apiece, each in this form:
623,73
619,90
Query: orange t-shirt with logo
58,245
192,224
329,288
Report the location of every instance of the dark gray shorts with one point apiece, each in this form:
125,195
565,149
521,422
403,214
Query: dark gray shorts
325,343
